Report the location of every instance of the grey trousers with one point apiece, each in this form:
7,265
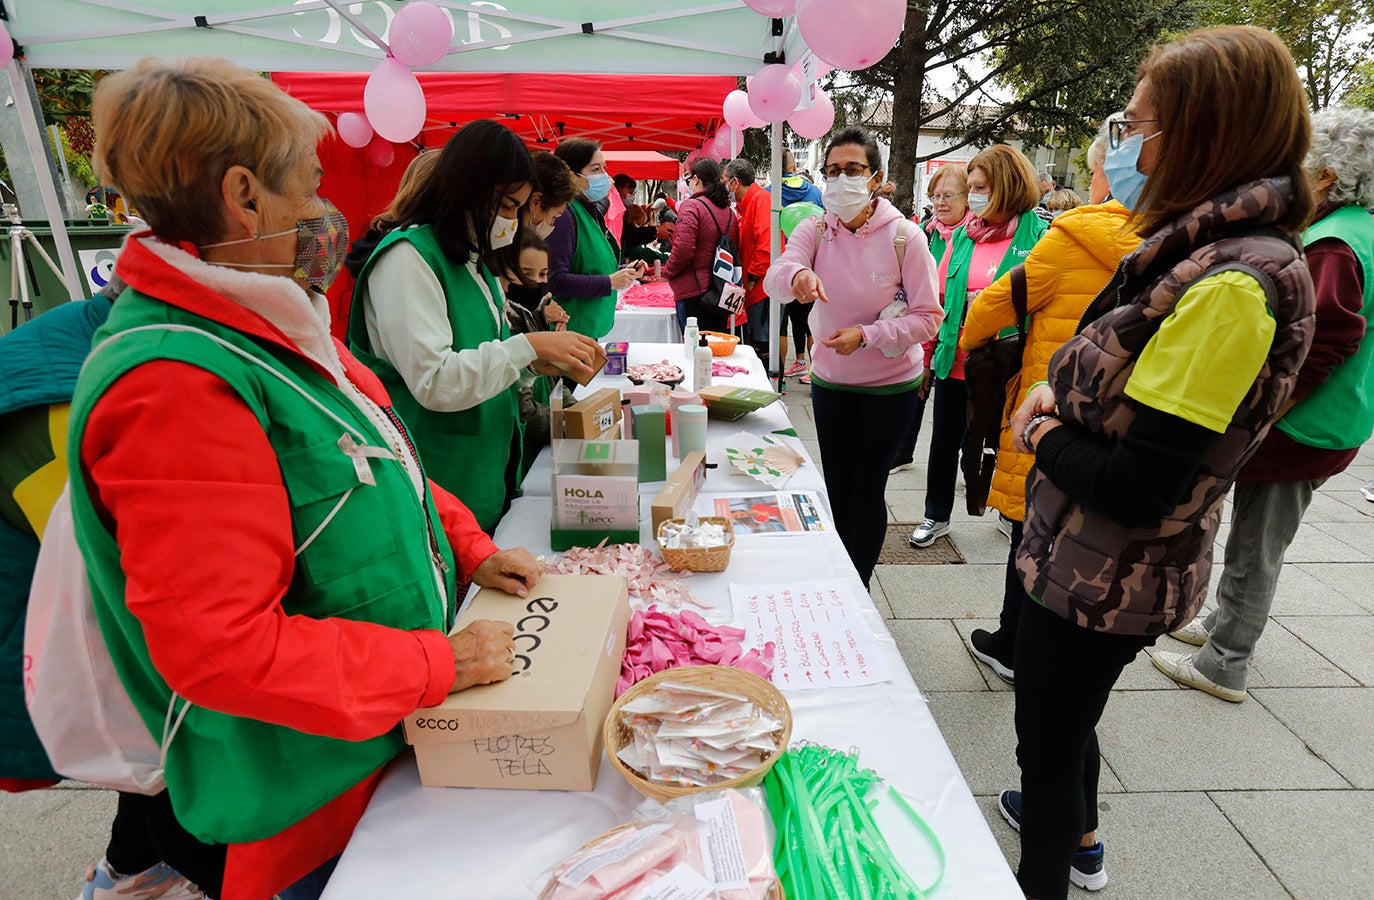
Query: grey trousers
1264,519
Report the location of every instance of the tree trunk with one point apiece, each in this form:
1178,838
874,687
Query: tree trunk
908,86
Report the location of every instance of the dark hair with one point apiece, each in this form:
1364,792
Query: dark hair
530,240
553,179
482,160
624,181
741,170
855,135
708,170
577,153
1206,88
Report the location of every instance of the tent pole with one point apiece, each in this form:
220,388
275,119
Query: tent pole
775,250
30,124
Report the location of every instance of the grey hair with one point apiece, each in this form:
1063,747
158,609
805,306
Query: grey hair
1097,151
1343,141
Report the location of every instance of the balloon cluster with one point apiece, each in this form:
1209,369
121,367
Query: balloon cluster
393,101
842,34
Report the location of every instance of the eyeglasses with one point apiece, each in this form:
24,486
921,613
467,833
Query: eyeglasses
947,197
832,173
1120,129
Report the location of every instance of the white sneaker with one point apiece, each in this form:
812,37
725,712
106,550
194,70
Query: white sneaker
1194,632
902,467
925,534
1179,667
1368,491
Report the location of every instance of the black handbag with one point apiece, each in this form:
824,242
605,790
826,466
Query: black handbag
992,374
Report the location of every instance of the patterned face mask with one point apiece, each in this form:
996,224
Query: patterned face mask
321,246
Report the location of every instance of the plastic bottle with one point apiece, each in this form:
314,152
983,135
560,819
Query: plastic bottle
690,333
691,420
701,365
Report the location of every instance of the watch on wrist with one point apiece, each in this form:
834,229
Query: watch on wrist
1032,426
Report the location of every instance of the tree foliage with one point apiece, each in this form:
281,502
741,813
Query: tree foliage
1035,68
1331,40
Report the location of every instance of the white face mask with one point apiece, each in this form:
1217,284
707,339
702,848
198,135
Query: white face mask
543,229
503,232
847,196
978,203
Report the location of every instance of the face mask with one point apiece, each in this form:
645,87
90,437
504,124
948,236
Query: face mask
321,245
978,203
1123,178
598,186
847,196
503,232
527,295
543,229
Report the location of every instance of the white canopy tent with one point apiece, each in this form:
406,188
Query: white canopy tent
606,36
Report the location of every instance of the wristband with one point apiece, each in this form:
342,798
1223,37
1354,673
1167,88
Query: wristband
1036,385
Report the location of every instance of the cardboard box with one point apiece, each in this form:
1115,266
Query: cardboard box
680,491
540,730
595,489
582,378
730,403
595,418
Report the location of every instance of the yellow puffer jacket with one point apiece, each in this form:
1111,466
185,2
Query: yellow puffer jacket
1064,271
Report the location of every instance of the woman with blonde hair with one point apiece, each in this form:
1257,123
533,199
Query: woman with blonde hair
1002,197
1179,367
267,561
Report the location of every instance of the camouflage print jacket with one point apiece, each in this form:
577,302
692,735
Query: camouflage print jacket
1145,581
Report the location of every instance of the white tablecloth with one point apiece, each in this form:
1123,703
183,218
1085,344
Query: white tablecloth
655,324
417,842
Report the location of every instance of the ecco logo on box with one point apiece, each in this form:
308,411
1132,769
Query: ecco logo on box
529,628
437,724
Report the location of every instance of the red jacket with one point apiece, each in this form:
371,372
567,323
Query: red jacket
183,470
699,224
755,244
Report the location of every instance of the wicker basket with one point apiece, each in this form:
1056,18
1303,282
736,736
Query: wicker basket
720,678
698,559
720,344
774,892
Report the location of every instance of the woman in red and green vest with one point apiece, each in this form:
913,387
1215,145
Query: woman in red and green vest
584,257
265,554
1002,193
428,317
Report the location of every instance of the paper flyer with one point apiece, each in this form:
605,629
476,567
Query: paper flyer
781,513
818,631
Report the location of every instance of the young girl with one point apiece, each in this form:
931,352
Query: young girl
530,309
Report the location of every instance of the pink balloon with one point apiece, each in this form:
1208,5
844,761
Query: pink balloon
353,129
773,9
6,45
823,69
816,121
722,143
736,109
851,34
420,34
775,93
394,102
381,152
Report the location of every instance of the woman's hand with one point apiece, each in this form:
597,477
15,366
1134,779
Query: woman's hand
846,340
515,571
623,278
556,316
483,653
927,380
565,348
807,287
1040,401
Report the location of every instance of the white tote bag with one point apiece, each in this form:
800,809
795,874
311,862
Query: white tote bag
80,709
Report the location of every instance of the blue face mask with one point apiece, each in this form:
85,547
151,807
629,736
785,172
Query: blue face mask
1123,178
598,186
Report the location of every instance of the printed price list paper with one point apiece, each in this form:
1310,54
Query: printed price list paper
818,629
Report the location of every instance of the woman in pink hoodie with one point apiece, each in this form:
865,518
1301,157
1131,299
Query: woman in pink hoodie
872,272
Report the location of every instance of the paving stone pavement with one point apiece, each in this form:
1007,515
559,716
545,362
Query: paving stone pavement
1271,798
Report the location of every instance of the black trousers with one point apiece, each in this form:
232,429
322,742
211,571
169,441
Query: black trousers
906,450
1064,675
795,314
858,434
949,427
145,832
709,318
1013,593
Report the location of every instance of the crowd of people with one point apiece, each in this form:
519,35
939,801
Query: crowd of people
278,526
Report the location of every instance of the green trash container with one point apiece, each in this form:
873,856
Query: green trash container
95,244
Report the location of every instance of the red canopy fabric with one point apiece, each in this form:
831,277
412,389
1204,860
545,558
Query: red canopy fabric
624,112
642,164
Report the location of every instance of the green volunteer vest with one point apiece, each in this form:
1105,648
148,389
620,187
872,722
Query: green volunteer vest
1028,231
473,453
594,253
234,779
1339,414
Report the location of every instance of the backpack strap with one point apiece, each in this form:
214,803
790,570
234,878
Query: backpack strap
899,243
